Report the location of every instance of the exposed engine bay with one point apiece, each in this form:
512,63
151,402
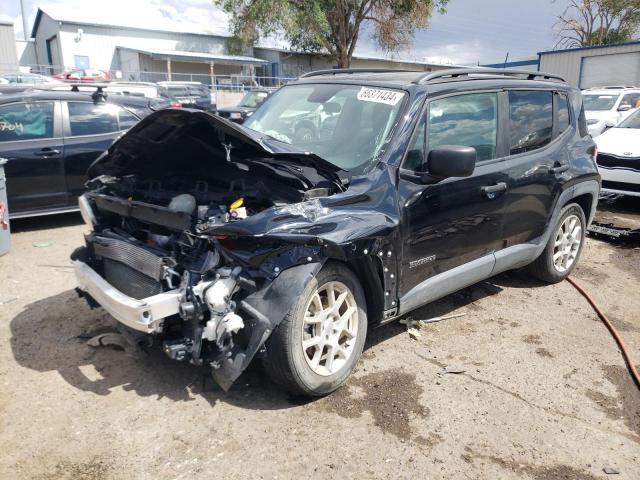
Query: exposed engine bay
180,236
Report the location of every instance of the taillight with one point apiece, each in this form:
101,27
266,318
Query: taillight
176,104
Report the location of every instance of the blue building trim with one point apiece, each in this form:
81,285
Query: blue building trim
520,63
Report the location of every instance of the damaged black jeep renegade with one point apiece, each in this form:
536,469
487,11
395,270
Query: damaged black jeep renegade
347,200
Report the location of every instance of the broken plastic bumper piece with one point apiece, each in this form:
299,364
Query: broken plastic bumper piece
144,315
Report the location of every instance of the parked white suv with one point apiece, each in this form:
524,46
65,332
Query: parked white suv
605,107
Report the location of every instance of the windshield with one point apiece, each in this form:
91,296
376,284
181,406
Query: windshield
632,121
599,102
347,125
253,99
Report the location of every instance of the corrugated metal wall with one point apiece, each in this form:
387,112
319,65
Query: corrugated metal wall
8,53
568,63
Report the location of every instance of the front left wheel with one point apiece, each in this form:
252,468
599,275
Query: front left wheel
318,343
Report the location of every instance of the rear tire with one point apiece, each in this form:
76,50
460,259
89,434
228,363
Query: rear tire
316,346
561,254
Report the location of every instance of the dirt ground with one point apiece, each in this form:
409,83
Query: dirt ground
541,393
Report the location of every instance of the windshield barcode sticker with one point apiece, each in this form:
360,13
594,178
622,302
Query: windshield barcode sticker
379,96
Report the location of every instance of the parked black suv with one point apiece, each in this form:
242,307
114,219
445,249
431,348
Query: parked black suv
224,242
51,137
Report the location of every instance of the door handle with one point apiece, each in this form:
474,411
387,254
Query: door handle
47,152
559,169
491,191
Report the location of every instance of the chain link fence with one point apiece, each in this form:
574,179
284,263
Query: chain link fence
235,83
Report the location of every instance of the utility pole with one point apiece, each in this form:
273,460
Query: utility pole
24,21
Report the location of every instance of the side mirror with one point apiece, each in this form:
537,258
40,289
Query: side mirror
609,124
624,108
451,161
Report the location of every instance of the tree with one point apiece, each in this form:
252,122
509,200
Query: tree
329,26
585,23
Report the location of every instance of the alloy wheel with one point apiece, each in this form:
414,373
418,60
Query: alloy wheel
567,243
329,328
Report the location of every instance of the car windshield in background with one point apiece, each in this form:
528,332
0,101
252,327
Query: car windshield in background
347,125
599,102
253,99
632,121
176,91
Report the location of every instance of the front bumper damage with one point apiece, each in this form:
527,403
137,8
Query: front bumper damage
261,311
144,315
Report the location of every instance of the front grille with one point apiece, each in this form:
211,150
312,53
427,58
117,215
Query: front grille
612,161
627,187
130,281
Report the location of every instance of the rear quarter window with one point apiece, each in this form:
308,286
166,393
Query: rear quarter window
530,120
564,118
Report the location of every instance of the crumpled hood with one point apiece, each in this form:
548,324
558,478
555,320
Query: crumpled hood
170,134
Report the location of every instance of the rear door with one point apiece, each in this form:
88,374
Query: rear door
89,129
456,220
538,160
31,141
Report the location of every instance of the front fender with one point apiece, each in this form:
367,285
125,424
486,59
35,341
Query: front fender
264,310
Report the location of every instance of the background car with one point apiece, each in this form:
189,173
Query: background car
191,95
619,157
51,137
246,107
606,106
26,79
83,75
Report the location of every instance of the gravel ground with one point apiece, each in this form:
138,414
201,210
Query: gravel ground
542,394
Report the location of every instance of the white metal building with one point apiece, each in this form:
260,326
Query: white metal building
616,64
8,52
131,52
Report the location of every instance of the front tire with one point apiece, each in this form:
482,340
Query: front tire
563,249
318,343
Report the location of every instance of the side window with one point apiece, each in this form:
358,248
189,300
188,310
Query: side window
93,119
26,121
631,99
466,120
563,113
530,120
126,119
196,91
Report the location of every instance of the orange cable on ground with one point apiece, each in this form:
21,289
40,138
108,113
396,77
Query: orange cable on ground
614,332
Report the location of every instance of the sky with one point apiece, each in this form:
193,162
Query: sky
471,32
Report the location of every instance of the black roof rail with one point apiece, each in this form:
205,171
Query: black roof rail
338,71
459,72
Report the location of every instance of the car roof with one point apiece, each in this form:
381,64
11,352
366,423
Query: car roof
35,94
609,90
456,79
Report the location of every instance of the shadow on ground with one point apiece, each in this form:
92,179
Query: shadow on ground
50,335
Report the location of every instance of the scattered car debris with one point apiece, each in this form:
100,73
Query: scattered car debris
410,323
414,333
42,244
454,370
611,232
108,339
611,471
